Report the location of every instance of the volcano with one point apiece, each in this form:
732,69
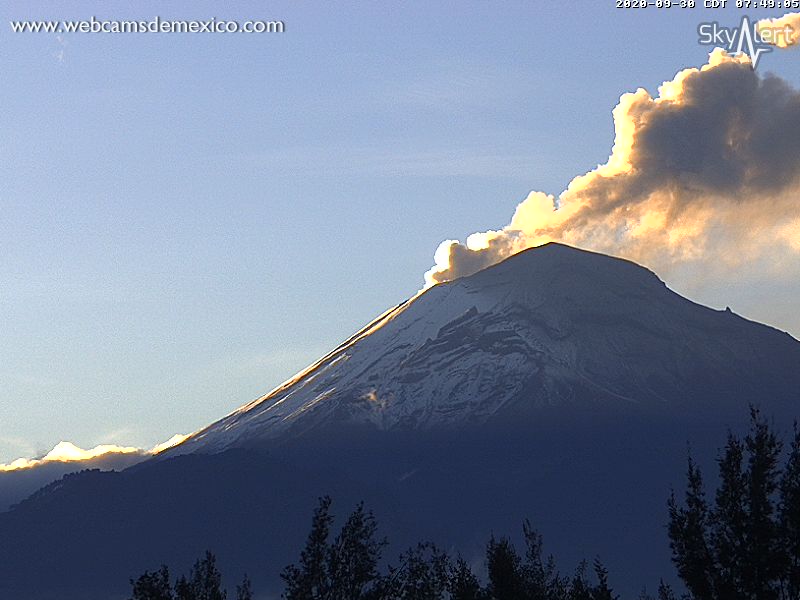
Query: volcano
560,385
550,326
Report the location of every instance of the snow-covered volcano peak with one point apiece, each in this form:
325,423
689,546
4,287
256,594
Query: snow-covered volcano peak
548,326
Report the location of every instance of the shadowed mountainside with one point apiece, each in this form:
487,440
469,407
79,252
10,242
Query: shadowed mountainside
559,385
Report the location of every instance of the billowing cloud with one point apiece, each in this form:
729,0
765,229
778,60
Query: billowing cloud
783,32
706,171
67,452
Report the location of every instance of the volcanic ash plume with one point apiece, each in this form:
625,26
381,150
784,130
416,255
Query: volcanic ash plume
785,30
708,169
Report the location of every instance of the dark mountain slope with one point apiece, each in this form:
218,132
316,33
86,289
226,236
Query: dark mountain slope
559,385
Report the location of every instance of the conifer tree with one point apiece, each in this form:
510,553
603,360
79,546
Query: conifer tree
354,556
204,582
541,578
789,518
423,574
602,591
762,563
506,579
739,548
345,568
183,590
728,524
665,592
463,584
688,529
244,590
579,586
152,585
311,578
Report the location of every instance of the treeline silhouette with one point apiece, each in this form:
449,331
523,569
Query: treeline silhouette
203,583
745,545
347,566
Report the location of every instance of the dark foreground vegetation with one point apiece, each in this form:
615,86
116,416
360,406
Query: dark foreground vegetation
742,545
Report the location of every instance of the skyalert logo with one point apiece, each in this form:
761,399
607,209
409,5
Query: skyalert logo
748,38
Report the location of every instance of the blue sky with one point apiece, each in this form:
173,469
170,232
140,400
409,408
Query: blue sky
186,220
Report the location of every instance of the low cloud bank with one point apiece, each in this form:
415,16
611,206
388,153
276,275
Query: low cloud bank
67,452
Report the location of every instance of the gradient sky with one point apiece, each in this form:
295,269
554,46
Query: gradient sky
186,220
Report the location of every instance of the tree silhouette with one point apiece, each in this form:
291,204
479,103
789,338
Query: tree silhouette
541,579
423,574
311,578
602,591
152,586
244,590
204,582
463,584
345,568
580,588
506,579
355,554
745,547
665,592
789,518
